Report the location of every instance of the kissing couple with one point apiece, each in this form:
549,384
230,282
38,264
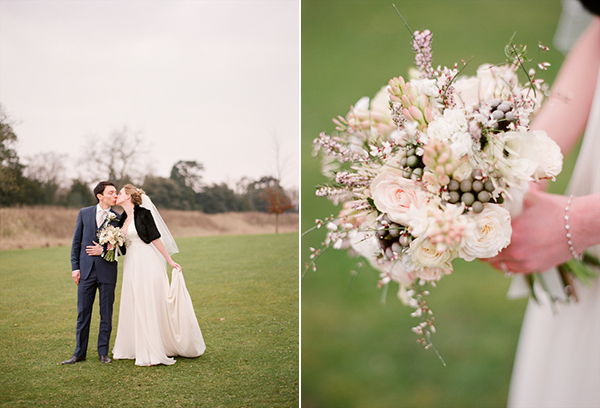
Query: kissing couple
156,319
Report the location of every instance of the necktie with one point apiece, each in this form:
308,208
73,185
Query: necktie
100,217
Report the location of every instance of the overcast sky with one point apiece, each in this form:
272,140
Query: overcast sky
211,81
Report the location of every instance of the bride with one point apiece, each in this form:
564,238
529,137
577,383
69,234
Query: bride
156,320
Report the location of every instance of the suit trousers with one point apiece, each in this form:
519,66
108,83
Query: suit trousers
86,294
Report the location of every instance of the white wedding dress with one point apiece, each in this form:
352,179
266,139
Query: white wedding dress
558,357
156,320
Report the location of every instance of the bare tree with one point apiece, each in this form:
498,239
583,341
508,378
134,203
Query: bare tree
281,162
47,168
116,157
276,198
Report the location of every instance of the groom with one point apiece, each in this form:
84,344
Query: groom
91,271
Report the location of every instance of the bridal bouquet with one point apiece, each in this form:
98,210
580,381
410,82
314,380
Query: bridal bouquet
431,169
114,237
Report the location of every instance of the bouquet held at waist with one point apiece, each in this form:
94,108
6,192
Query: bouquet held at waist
432,169
113,236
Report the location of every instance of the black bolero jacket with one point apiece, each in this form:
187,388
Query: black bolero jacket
144,224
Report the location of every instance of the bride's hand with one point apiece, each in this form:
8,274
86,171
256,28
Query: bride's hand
538,239
175,265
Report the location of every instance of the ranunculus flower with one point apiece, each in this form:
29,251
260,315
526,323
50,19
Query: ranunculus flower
491,235
394,194
533,154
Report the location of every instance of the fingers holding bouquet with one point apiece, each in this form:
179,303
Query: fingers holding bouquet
538,240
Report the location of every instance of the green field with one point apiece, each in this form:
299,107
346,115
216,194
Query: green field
245,294
356,351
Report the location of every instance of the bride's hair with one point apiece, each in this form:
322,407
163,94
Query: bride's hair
135,193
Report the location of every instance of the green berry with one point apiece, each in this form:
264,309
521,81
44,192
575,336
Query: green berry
465,186
418,172
412,161
488,185
477,186
411,152
477,207
467,198
407,173
403,162
453,185
498,114
484,196
454,197
504,107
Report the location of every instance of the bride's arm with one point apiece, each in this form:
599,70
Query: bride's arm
163,251
564,115
539,238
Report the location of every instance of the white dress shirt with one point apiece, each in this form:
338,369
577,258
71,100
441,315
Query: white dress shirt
101,215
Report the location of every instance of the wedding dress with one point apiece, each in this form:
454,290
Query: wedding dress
156,320
558,357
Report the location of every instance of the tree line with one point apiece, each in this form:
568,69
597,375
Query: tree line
39,180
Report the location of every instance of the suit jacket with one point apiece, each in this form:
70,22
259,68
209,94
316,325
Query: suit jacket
144,224
86,231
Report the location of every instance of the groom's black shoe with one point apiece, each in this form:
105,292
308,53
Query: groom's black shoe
105,359
73,360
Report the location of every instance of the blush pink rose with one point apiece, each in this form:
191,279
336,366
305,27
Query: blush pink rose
394,194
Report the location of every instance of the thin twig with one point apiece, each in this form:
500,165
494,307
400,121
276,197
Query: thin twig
405,23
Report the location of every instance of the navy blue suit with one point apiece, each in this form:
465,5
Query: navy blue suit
96,274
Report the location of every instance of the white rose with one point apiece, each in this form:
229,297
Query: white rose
491,235
551,159
394,194
425,254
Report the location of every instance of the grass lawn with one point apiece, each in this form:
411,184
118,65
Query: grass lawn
356,351
245,294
